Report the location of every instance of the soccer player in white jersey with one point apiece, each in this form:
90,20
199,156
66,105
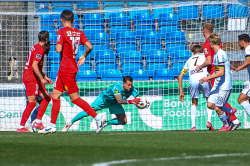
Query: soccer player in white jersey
244,97
195,86
221,90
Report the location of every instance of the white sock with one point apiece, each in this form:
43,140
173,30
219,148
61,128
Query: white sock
246,107
209,114
38,121
98,117
228,110
52,125
223,118
70,123
21,127
193,114
236,121
28,123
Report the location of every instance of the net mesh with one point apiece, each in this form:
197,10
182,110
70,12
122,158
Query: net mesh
149,41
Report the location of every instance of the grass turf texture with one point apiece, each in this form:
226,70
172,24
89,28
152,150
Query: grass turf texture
87,148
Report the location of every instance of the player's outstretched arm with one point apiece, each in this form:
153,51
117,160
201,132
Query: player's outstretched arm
244,65
89,48
220,73
120,100
180,86
207,63
38,72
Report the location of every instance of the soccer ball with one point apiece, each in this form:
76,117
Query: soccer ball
143,104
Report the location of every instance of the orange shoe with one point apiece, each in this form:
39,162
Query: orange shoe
209,126
224,128
38,126
23,130
193,129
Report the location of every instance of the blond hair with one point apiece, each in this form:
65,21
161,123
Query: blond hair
208,27
215,39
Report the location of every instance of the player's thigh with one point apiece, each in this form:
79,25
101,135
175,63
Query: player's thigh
73,96
32,88
98,104
116,109
213,96
243,97
194,89
56,94
223,98
205,88
32,98
69,82
58,85
122,118
245,93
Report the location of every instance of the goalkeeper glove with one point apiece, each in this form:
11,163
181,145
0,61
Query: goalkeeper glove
136,101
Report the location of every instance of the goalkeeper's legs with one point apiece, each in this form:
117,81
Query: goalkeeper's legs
120,119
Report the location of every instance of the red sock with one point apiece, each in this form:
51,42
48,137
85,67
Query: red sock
43,107
55,110
26,112
85,106
228,106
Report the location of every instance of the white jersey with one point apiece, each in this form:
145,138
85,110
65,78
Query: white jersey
247,55
221,61
191,64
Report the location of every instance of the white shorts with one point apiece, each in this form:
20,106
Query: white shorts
218,96
246,89
196,87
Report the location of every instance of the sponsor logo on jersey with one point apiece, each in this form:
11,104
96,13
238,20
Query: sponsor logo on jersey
69,33
194,71
38,56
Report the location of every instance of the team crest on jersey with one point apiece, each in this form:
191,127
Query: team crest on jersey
66,88
116,90
38,56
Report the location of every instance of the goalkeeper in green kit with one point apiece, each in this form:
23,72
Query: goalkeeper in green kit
113,98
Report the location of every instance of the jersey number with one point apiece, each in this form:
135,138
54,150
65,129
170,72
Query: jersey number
195,63
28,62
75,44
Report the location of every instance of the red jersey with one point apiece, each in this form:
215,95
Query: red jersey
36,54
209,51
70,39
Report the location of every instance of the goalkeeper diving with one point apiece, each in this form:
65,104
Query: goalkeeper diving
113,98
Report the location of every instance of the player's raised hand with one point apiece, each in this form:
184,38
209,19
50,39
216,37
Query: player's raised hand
136,101
181,97
81,60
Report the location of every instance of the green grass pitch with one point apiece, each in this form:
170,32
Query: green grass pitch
126,148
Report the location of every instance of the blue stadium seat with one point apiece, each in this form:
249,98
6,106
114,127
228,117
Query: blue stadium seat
48,28
159,11
116,29
54,67
92,30
62,3
147,47
119,19
177,67
168,19
108,10
125,47
175,46
180,55
238,11
54,57
137,10
168,29
60,9
100,38
111,75
41,3
130,3
162,3
100,67
105,56
86,75
142,30
175,37
81,51
106,3
130,56
163,74
85,66
93,19
144,19
157,55
53,38
151,38
140,75
87,4
42,10
46,19
125,37
156,65
213,11
188,12
127,68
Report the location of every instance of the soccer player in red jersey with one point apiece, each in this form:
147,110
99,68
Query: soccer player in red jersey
209,54
34,80
68,41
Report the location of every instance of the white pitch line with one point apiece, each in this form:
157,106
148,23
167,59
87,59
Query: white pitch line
170,158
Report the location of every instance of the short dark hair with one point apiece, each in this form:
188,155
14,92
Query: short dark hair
43,35
127,78
196,48
67,15
244,37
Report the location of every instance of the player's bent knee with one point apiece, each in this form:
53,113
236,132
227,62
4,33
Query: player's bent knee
210,105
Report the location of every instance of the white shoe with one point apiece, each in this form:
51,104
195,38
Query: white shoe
66,127
47,130
100,124
31,128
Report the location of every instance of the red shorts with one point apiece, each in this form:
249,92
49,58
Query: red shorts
34,88
66,82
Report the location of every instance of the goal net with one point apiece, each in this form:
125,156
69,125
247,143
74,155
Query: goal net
149,41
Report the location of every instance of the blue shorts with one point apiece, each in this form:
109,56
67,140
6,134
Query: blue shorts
99,104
